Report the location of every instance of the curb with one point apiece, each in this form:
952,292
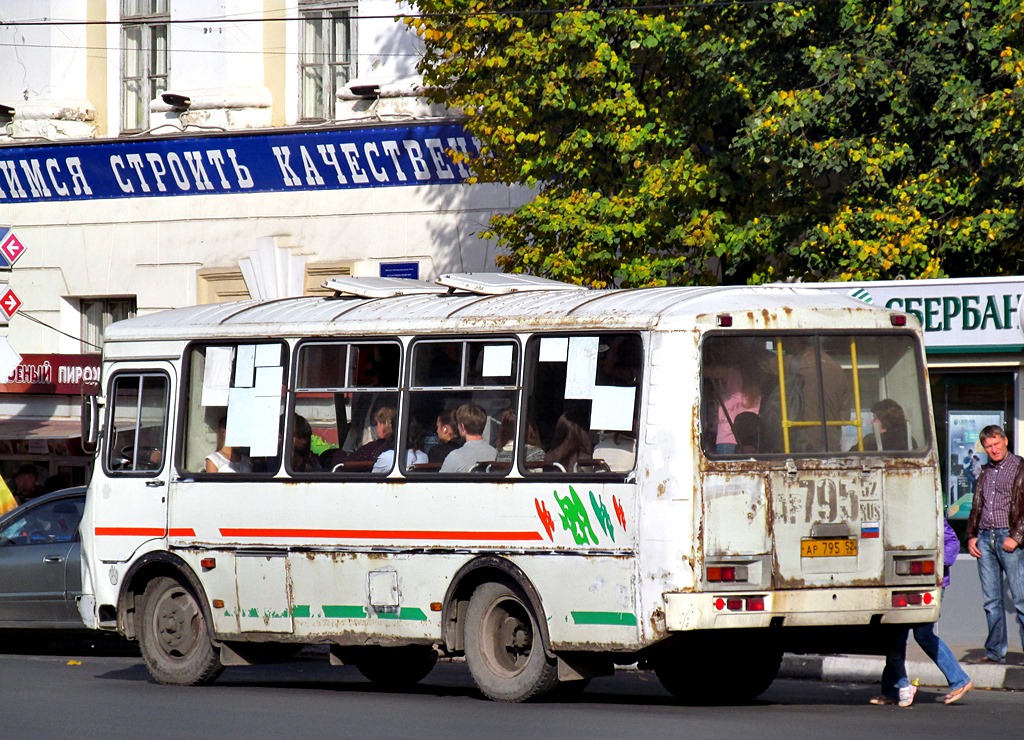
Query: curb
868,669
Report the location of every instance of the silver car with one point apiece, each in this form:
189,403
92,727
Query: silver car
40,562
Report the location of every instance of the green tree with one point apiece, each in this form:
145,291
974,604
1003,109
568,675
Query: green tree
707,142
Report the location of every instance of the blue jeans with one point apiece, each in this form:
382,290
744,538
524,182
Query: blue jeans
992,564
894,675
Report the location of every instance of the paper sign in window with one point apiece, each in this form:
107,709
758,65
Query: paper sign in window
269,381
497,360
267,355
245,364
581,369
253,422
216,376
612,409
553,349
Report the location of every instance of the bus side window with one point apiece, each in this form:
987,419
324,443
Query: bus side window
583,403
137,428
233,408
344,409
449,374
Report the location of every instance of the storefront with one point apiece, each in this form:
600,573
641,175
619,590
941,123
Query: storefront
40,408
975,349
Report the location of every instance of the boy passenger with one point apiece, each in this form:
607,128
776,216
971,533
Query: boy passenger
471,420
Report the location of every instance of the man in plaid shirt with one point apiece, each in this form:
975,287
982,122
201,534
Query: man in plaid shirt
995,531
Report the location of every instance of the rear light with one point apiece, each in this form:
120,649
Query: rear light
905,567
912,598
898,319
726,573
740,603
724,319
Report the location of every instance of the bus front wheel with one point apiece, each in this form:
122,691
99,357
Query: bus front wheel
503,646
173,637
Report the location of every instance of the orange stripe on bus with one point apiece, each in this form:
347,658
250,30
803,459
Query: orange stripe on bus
382,534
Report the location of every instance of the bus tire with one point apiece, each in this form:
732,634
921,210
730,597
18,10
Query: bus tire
397,667
504,647
174,638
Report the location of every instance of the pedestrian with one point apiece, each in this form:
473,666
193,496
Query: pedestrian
896,687
995,530
25,484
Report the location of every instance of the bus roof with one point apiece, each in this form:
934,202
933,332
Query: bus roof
522,309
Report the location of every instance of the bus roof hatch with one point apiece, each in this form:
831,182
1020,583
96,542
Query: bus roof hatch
378,287
497,283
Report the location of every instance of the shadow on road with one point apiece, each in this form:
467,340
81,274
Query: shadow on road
44,642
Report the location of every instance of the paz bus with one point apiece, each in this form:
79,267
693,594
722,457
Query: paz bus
693,480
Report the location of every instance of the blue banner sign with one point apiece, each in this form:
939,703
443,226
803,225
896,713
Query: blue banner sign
324,159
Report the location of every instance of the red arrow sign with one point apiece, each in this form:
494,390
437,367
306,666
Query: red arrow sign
9,303
11,247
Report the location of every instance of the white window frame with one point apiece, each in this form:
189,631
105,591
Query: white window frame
324,59
145,32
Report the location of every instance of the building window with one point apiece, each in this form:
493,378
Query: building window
328,48
98,314
144,64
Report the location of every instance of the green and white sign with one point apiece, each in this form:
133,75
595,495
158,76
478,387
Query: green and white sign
957,315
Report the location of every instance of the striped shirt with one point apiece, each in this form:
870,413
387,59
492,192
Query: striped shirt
998,487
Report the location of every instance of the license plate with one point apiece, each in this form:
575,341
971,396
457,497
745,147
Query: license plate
833,548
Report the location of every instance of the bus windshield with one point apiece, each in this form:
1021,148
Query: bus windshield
812,394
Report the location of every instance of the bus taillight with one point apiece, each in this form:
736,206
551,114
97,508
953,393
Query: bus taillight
726,573
740,603
912,598
906,567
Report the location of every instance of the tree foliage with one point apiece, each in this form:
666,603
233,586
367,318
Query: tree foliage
745,142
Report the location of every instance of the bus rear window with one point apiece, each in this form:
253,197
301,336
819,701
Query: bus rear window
812,395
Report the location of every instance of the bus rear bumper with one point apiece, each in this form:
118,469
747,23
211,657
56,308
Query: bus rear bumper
810,608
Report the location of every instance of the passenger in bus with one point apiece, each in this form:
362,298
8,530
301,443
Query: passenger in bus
810,397
448,434
369,452
227,459
737,387
303,459
414,454
506,440
617,449
570,444
747,427
471,419
890,427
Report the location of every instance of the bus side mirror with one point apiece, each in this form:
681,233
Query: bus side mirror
90,417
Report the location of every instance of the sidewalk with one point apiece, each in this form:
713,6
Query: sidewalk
868,668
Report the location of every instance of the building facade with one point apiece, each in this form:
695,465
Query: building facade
162,153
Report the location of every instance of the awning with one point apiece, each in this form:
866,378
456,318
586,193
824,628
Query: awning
40,428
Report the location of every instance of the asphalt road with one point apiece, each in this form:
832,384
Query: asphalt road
85,692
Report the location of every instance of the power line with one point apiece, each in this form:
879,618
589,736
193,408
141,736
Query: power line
263,52
642,9
65,334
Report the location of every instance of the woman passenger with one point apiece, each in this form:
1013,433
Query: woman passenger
448,433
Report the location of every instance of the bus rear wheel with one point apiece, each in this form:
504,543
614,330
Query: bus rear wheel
397,667
174,638
504,647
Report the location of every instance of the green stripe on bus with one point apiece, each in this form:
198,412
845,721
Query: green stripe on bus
617,619
336,611
301,611
407,613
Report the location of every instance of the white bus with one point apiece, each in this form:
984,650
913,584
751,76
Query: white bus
694,480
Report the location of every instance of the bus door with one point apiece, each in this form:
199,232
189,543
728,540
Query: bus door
129,493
